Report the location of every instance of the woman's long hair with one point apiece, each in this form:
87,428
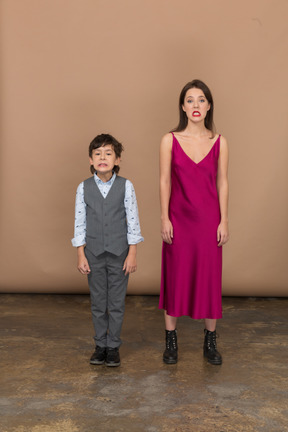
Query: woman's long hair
183,120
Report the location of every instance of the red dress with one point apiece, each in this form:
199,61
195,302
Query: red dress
192,264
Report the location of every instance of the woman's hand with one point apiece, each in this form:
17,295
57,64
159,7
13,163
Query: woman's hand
167,231
222,233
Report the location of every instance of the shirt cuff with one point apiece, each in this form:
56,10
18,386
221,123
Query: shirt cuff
134,239
79,241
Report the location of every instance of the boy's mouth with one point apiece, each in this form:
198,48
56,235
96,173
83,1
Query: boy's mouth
102,165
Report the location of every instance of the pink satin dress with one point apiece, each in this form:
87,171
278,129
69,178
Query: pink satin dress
192,265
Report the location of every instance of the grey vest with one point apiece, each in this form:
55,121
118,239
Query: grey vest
106,226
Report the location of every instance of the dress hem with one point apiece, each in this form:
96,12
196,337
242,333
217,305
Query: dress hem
190,316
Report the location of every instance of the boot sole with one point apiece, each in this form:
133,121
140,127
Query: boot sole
170,361
217,362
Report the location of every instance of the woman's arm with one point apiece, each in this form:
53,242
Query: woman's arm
222,187
165,187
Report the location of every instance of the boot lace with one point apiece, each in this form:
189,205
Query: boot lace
171,342
211,341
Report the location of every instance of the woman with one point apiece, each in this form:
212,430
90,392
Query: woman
194,219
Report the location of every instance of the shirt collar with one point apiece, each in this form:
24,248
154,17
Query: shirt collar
108,183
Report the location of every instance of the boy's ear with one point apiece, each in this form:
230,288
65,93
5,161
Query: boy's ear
117,161
90,160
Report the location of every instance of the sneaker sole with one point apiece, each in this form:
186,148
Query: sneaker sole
96,363
170,361
112,364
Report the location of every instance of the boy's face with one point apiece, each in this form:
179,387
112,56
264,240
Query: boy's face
103,160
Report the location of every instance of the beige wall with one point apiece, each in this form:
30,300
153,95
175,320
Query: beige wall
72,69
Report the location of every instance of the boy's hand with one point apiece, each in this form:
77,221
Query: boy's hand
82,262
130,264
83,266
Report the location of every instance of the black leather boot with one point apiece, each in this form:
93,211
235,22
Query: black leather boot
170,355
210,348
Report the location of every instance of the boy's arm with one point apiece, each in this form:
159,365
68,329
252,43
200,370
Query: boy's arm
133,225
80,218
130,264
133,228
80,231
82,262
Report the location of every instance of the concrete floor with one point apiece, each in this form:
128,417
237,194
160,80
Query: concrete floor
47,383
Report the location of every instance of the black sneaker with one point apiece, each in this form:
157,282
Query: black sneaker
99,356
112,357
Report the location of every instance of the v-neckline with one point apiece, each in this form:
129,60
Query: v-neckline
196,163
97,187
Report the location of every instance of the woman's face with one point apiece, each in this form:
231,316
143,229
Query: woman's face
195,105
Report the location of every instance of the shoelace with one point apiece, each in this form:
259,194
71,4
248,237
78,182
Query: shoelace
211,341
171,343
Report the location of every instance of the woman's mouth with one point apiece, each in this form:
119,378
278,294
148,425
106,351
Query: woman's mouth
196,114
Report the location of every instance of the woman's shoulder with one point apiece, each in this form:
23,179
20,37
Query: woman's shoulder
223,140
167,140
223,145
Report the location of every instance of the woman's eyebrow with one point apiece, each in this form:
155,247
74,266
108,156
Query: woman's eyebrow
199,97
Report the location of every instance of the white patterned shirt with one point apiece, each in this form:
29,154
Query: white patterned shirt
133,225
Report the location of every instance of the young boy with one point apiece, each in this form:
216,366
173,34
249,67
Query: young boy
106,234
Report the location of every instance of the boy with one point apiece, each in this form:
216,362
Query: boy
106,234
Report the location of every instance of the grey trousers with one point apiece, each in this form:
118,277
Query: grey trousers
108,285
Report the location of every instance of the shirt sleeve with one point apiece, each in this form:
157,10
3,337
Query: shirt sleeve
133,225
80,218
